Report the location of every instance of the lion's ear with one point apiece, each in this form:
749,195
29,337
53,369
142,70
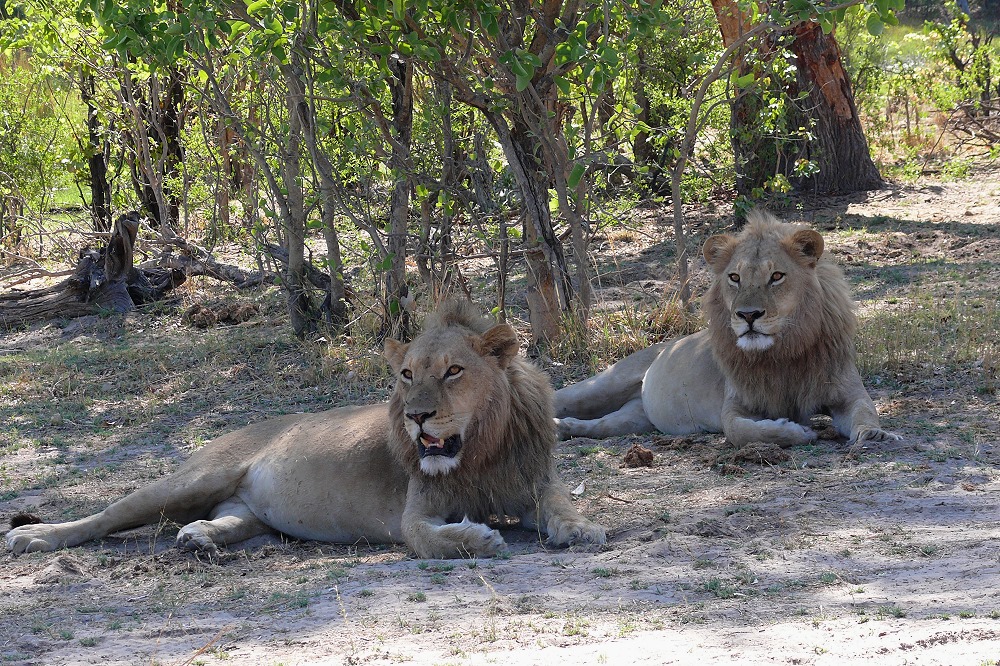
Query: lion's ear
500,341
394,352
805,246
717,251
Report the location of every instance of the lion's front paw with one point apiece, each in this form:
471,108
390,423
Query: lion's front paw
566,428
469,538
33,539
874,434
197,536
575,532
782,432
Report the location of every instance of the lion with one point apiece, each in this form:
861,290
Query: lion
778,350
467,436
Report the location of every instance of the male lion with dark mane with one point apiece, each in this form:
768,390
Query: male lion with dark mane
779,348
466,437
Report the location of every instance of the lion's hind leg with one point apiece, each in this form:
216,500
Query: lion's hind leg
629,418
609,390
189,493
230,522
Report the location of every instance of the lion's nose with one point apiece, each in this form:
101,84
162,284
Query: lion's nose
750,316
420,417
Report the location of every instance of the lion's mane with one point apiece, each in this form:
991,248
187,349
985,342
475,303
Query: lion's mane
507,451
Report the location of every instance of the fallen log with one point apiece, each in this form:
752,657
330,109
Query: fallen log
106,280
99,283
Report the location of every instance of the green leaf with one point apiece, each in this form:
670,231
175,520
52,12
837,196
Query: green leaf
490,25
875,25
256,6
575,175
744,81
522,81
530,59
238,28
562,83
598,80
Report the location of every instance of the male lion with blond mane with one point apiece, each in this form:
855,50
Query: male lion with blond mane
779,348
466,437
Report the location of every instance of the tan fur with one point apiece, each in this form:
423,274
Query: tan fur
778,349
353,474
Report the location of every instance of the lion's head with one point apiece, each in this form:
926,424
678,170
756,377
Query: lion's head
457,386
773,295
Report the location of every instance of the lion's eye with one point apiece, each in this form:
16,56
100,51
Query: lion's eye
453,371
777,277
734,278
407,374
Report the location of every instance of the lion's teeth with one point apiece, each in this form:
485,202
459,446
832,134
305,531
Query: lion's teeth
431,441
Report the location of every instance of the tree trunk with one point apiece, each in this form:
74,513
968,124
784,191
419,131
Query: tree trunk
396,292
223,183
840,148
172,126
335,304
550,290
641,147
299,303
100,190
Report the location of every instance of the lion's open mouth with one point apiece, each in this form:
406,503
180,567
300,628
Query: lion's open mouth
428,445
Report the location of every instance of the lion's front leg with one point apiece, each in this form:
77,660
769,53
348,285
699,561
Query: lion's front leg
436,539
429,535
562,522
741,427
857,418
139,508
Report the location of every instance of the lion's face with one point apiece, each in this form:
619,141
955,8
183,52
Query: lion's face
762,279
447,379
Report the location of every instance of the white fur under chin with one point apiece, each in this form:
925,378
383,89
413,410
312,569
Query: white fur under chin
758,342
433,465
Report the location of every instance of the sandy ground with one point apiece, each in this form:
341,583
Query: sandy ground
807,556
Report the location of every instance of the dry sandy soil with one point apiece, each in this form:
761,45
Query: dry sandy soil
715,556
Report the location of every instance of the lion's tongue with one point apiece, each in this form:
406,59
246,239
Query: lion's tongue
430,441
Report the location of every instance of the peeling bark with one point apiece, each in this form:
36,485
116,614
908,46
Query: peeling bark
840,147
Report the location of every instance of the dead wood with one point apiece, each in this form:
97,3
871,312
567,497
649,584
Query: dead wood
98,283
105,279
